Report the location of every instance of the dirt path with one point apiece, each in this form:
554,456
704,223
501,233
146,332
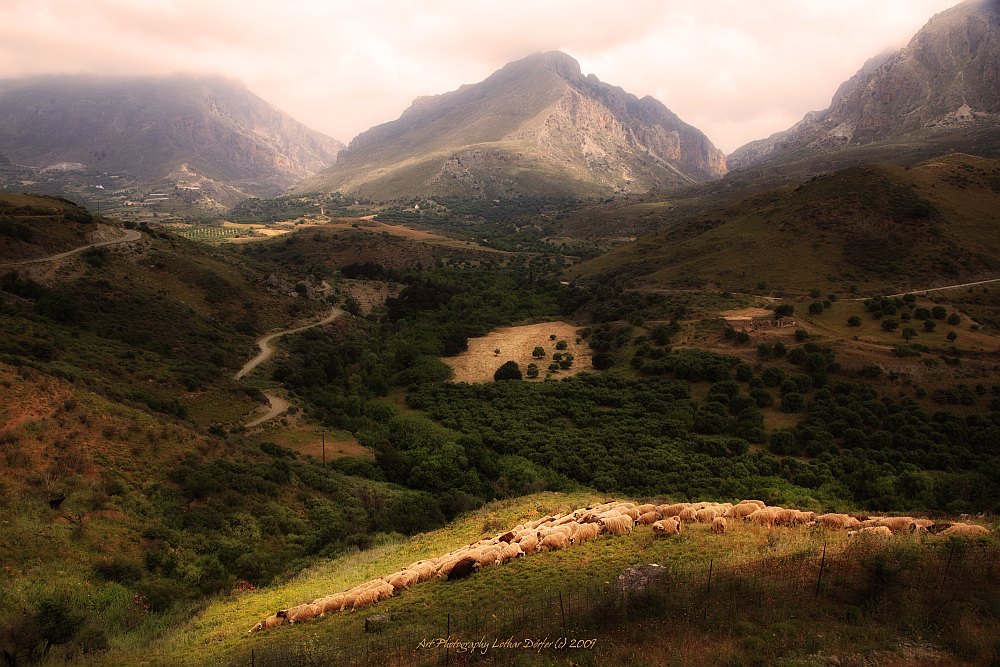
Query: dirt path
276,405
130,235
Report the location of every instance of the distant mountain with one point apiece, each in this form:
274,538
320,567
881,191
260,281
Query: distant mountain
538,127
941,92
876,227
192,130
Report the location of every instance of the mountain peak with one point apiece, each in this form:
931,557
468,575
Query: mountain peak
561,63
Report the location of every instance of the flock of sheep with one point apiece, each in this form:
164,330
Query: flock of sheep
562,530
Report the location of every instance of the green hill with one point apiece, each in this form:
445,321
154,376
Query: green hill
869,229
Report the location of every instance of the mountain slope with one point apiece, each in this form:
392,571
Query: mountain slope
876,227
942,88
179,128
536,126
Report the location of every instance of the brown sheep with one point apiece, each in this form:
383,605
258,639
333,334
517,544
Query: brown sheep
267,624
719,525
462,569
964,530
507,537
649,518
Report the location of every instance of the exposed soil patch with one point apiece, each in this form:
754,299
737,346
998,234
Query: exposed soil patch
480,361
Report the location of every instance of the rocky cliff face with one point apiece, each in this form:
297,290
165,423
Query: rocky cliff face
947,79
536,126
151,127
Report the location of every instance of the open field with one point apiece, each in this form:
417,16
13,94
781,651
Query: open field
307,439
480,361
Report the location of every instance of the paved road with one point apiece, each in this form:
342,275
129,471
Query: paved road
130,235
276,405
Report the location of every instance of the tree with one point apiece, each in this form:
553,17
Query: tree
854,321
816,308
780,349
930,325
742,337
784,310
801,335
532,371
952,336
566,361
538,352
509,371
562,345
909,333
954,319
922,314
792,402
889,324
939,312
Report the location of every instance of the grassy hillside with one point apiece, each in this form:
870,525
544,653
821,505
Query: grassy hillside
569,593
867,229
34,226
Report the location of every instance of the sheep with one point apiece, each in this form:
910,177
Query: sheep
507,537
897,524
485,555
298,613
642,509
671,510
719,525
529,543
764,517
649,518
741,511
553,541
872,532
759,503
424,571
509,552
687,515
617,525
838,521
462,569
267,624
330,604
789,517
705,515
586,532
402,579
671,526
964,530
630,512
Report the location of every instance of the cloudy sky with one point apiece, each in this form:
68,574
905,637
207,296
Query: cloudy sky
737,69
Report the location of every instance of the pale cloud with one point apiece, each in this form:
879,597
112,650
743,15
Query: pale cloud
737,70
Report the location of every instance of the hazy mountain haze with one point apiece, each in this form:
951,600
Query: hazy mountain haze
738,71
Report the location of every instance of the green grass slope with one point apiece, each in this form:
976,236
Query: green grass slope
874,228
569,593
33,226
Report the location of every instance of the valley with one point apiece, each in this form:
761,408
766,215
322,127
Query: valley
534,362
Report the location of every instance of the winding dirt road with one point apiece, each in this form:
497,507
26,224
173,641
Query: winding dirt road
275,404
130,235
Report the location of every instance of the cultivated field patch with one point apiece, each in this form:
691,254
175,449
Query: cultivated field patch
481,360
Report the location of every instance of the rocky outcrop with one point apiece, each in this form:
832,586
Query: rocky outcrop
947,79
536,126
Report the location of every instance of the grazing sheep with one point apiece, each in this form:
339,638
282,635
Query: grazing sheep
741,511
267,624
485,555
507,537
897,524
630,512
838,521
529,543
764,517
671,510
424,570
965,530
617,525
586,532
872,532
688,514
553,541
403,579
671,526
936,528
759,503
330,604
917,529
462,569
642,509
509,552
719,525
649,518
705,515
299,613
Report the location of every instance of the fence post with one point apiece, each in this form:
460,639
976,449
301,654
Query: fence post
447,653
822,564
252,661
711,564
946,568
562,612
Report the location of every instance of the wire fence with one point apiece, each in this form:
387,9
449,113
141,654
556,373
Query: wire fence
865,576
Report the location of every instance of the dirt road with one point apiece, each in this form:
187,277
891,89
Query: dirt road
276,405
130,235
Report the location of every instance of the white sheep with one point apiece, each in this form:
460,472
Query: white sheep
719,525
617,525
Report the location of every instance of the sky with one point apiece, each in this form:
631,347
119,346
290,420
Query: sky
738,70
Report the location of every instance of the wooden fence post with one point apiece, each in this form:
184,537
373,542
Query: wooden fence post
562,612
711,564
946,568
822,564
